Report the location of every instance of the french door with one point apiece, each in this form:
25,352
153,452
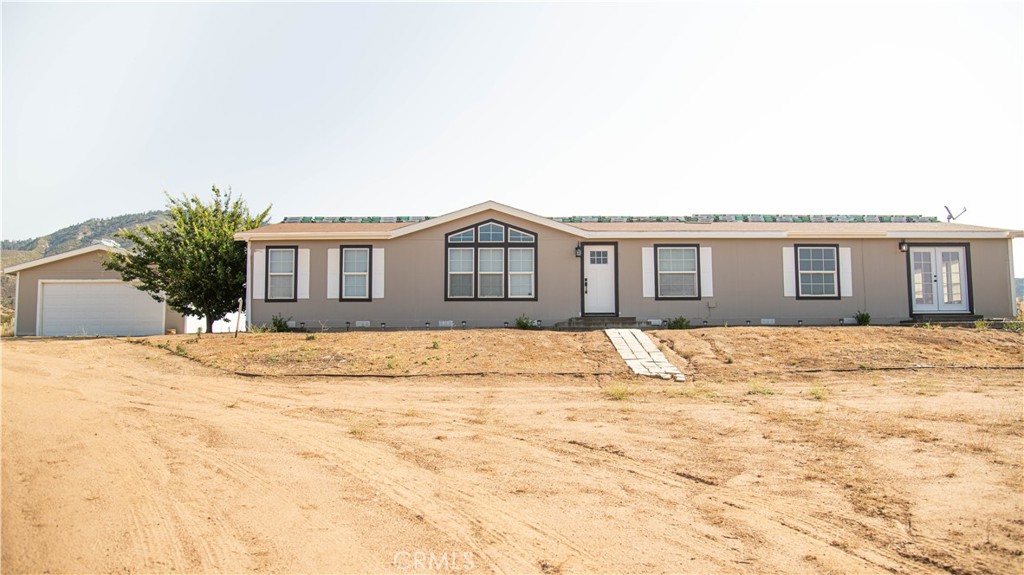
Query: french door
938,279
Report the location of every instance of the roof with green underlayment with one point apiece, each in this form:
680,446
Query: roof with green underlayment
696,219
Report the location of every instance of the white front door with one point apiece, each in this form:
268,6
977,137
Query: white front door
599,279
938,279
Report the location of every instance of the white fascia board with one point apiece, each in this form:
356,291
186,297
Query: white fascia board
258,236
58,257
841,235
612,235
962,235
482,207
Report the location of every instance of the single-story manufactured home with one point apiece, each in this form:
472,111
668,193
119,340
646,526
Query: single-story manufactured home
72,293
486,265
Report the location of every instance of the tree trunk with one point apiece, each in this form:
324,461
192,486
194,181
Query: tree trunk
209,323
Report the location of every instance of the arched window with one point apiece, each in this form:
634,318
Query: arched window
490,261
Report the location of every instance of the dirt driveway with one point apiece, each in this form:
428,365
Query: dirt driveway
120,457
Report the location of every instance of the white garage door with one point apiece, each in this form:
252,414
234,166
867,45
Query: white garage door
98,308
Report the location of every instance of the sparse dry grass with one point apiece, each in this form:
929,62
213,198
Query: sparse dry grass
619,391
402,353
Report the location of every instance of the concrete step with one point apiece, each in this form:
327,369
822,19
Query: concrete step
591,323
945,319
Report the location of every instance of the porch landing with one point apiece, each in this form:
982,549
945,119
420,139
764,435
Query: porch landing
592,323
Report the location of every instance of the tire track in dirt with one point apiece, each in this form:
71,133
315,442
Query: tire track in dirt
511,537
210,537
727,501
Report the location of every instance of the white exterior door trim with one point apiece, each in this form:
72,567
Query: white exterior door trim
949,284
600,279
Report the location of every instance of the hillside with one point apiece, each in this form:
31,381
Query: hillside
13,252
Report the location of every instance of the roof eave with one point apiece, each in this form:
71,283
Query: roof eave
958,235
255,235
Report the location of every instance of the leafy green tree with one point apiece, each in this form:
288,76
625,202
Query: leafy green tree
193,262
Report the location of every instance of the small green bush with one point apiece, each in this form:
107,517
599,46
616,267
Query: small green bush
1016,326
279,324
981,324
862,317
524,322
678,323
311,337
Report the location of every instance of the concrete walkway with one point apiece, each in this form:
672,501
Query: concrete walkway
642,355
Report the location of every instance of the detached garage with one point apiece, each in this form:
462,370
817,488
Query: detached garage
72,294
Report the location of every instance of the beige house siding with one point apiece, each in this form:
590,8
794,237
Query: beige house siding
747,276
748,283
414,282
992,276
87,266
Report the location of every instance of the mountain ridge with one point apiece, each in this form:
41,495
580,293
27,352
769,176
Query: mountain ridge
68,238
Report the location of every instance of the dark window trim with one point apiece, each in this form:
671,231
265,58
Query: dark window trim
796,270
583,263
657,284
967,266
295,275
504,246
369,273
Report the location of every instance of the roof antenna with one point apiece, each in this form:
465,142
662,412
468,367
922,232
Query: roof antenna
949,214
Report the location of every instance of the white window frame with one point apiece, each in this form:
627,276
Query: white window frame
455,239
481,274
294,252
480,235
470,273
660,272
524,237
801,272
511,274
367,295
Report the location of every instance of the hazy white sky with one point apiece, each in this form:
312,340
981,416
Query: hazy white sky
558,109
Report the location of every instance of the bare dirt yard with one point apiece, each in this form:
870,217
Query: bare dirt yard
810,450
